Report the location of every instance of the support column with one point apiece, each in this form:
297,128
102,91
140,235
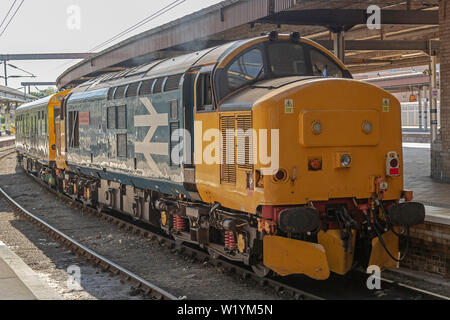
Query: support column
426,91
433,99
440,149
419,98
339,45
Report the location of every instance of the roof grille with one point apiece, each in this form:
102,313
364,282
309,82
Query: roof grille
146,87
158,85
173,82
132,90
120,92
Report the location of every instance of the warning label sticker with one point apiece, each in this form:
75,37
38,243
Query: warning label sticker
288,106
386,105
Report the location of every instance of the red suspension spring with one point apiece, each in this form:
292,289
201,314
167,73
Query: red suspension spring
229,240
179,223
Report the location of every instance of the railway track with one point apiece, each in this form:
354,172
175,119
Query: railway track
6,152
311,290
195,254
147,288
288,286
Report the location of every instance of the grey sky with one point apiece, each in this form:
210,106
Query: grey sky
40,26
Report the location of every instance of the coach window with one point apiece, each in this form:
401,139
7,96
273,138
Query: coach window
46,123
204,93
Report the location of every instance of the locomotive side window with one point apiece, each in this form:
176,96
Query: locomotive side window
204,92
111,117
323,66
74,134
121,145
121,117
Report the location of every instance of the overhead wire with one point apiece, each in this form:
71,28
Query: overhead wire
9,11
12,18
153,16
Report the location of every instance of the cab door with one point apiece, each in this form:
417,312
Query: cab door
59,120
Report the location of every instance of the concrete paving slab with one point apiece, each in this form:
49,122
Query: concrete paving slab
5,271
7,138
434,195
437,215
14,289
19,281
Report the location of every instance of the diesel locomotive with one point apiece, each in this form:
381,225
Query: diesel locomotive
263,151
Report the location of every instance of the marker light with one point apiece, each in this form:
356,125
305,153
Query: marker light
367,127
315,164
346,160
317,127
280,175
392,164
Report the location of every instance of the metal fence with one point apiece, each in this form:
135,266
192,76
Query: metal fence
410,114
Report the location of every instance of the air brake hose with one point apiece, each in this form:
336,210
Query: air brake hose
388,219
384,244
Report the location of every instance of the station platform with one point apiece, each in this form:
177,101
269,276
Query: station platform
7,138
437,215
19,282
6,141
434,195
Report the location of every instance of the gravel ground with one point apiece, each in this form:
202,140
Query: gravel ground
150,261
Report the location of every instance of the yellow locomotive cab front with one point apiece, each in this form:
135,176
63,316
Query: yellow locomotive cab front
338,134
331,119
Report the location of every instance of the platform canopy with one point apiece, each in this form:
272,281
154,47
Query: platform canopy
409,33
13,96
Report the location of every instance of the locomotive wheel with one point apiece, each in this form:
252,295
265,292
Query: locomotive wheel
261,270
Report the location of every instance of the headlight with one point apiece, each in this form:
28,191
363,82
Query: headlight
346,160
367,127
317,127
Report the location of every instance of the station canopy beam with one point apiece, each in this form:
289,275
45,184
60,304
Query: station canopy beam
385,45
338,20
45,56
26,84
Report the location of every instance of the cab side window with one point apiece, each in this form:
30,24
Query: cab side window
323,66
204,93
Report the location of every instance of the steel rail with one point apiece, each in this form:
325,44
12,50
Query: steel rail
417,290
199,255
187,251
147,287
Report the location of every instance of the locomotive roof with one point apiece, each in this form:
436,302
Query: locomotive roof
35,104
162,67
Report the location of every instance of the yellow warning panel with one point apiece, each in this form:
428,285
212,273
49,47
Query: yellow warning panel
379,257
339,260
288,256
